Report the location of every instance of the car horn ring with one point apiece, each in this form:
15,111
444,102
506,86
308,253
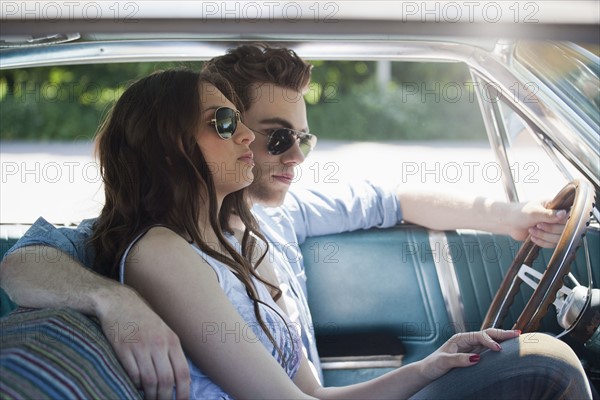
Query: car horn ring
577,195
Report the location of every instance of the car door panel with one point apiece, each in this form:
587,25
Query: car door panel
380,280
389,281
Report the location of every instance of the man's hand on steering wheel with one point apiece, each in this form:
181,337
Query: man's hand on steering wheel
543,224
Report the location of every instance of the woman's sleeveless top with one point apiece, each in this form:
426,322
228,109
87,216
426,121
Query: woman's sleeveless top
286,335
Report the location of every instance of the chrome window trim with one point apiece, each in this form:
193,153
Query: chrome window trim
494,126
199,50
361,362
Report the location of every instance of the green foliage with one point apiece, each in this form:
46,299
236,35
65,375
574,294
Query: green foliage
63,102
344,100
422,101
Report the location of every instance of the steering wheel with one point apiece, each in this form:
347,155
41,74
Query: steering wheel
577,195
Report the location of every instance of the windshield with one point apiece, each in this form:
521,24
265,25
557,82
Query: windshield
570,71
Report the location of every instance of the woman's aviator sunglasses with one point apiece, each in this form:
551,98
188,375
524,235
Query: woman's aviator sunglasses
279,140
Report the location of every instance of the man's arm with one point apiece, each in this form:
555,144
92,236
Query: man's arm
41,276
450,212
331,209
364,205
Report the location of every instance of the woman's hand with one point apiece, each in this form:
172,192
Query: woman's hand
462,350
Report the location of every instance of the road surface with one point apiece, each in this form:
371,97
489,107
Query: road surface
61,181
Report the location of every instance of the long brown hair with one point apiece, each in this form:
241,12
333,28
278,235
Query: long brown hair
250,64
154,173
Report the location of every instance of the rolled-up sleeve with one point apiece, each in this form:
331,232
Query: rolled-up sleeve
343,208
71,241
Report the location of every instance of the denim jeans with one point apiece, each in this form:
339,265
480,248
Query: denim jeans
534,366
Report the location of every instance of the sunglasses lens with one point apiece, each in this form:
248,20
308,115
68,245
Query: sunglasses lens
280,141
226,122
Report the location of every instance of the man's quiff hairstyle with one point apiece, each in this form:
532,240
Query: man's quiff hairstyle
251,64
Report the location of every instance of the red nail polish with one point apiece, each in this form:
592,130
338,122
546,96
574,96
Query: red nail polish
518,331
474,358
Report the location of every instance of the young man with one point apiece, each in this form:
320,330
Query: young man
270,83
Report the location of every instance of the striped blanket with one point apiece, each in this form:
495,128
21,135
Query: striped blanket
58,354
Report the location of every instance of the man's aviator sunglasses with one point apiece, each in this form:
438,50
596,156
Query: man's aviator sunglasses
279,140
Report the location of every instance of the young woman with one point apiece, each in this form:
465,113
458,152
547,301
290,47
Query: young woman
175,159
